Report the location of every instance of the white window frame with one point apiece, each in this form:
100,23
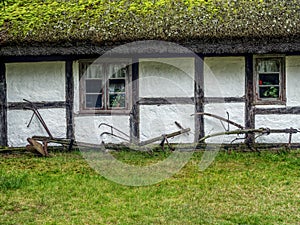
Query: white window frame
281,100
105,109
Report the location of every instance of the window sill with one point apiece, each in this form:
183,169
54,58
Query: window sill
90,112
269,102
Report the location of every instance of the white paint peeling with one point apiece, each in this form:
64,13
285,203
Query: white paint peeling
18,132
224,77
158,120
166,77
35,81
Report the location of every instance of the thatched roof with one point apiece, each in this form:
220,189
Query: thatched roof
86,26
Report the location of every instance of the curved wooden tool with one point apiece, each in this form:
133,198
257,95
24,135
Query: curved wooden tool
38,147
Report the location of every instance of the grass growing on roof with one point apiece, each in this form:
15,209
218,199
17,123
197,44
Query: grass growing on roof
238,188
123,20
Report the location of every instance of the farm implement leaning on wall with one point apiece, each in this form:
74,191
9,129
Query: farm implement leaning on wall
40,143
34,141
241,130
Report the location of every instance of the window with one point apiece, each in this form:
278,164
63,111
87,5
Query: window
270,80
104,86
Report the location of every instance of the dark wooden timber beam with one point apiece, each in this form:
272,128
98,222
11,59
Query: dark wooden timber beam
284,110
208,100
166,101
69,99
39,58
135,110
249,109
199,98
187,100
3,109
39,105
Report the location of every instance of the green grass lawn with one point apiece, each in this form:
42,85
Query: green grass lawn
237,188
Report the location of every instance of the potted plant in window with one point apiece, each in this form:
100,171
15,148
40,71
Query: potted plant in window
118,101
272,92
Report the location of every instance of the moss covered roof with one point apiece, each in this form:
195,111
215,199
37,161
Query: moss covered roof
98,21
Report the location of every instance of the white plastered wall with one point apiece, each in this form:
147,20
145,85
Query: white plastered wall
211,125
76,87
293,80
166,77
87,128
35,81
158,120
278,122
224,77
18,132
163,78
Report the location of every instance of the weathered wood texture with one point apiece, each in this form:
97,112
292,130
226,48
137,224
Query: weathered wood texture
39,105
199,98
135,111
3,109
285,110
69,99
221,119
187,100
208,46
208,100
166,101
162,137
249,110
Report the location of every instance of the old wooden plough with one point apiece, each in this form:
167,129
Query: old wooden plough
163,138
256,133
34,141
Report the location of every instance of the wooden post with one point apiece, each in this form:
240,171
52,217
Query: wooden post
3,108
135,111
249,97
69,99
199,98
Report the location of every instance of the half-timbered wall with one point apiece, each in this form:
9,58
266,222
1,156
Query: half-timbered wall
166,90
224,91
40,82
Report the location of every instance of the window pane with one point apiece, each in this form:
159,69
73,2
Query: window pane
117,70
117,85
93,86
100,93
269,92
95,71
116,100
93,101
269,65
269,79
